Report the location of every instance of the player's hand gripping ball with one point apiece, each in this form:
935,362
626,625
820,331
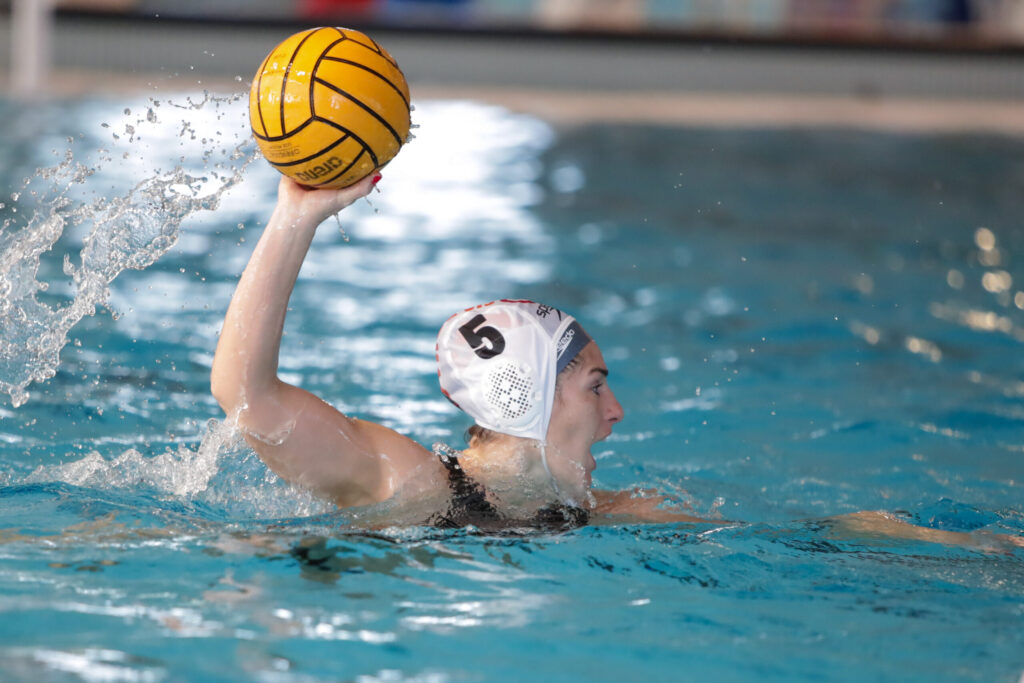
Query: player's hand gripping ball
328,107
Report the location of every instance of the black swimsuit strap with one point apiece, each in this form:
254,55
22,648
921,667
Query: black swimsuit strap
469,505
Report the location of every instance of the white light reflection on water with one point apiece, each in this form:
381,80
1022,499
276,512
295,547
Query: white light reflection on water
317,626
978,320
508,608
97,665
462,187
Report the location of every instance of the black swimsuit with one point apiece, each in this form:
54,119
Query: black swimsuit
469,505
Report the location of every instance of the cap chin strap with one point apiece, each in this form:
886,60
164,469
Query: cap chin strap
551,477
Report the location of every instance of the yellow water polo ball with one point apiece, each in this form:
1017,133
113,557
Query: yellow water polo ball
328,107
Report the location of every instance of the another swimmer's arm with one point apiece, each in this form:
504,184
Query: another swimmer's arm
642,505
300,437
874,523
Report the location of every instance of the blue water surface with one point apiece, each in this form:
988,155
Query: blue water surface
799,323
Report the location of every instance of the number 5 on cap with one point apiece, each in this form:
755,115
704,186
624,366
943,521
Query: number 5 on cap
486,342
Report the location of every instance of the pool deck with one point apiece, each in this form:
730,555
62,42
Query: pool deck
579,81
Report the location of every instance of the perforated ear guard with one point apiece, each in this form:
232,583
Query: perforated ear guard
498,363
510,393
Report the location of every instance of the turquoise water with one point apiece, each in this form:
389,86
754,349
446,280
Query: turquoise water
798,323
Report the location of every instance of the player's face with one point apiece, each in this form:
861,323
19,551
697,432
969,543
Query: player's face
585,410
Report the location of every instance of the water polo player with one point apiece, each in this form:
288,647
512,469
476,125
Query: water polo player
529,375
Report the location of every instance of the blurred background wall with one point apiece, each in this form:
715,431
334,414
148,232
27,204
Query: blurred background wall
869,50
991,22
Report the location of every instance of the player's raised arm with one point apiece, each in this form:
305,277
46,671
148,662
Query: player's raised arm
300,437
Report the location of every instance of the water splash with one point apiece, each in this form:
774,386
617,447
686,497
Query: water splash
221,473
182,472
130,231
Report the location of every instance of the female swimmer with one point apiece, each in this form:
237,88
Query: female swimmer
530,376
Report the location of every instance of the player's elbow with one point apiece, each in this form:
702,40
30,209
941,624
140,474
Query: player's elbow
219,387
226,388
260,410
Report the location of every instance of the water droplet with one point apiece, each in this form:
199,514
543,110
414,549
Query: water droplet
337,219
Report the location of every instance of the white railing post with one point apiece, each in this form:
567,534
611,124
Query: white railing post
31,27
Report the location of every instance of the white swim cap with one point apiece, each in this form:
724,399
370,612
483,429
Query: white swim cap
498,363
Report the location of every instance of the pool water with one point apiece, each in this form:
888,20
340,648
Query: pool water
799,323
